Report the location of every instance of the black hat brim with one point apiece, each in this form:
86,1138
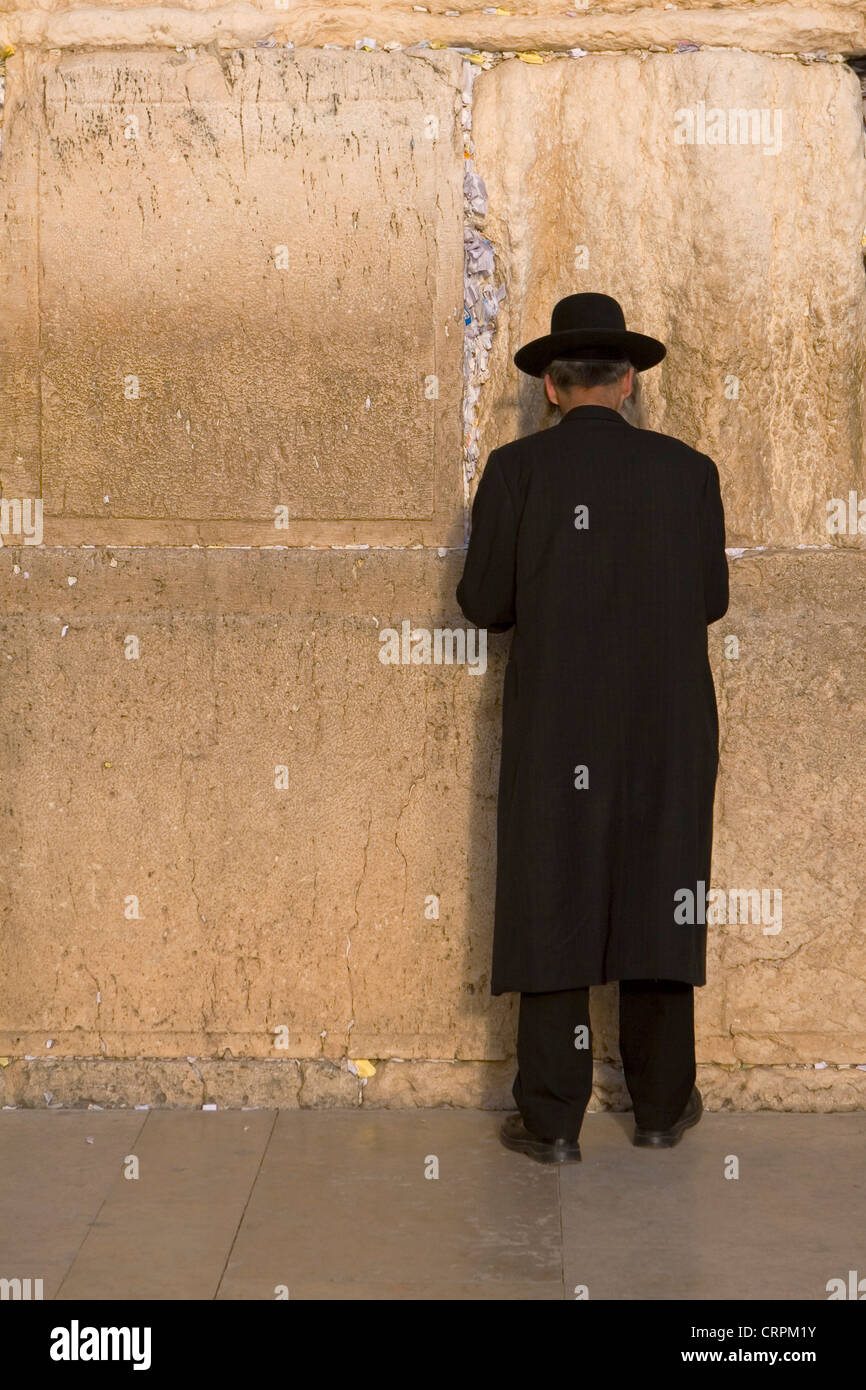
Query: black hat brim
642,351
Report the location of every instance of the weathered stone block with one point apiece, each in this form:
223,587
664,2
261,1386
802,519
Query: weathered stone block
305,906
257,304
791,806
539,24
744,258
252,825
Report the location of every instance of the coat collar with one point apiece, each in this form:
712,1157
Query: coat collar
593,412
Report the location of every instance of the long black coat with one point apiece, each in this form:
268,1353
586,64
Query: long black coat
609,726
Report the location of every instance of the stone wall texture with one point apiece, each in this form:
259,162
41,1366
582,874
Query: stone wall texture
245,366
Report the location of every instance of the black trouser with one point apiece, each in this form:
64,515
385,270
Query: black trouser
657,1044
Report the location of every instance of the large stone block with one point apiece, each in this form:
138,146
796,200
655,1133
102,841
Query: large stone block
249,297
309,906
790,810
112,1083
347,900
745,258
538,24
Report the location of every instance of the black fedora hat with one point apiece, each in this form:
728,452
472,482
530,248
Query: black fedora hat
591,325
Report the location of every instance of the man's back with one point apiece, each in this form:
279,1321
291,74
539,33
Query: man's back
602,545
612,525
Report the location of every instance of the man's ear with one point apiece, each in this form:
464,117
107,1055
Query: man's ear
550,390
629,383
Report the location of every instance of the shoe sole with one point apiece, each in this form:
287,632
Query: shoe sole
649,1140
542,1153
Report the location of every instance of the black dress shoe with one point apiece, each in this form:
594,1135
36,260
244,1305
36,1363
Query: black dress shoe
514,1135
666,1138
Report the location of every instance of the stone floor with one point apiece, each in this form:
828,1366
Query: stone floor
336,1205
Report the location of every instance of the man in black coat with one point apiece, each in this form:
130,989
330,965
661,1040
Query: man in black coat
602,547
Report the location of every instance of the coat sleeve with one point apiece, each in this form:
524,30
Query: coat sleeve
486,591
713,540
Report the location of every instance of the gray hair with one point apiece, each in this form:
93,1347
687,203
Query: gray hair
585,373
634,408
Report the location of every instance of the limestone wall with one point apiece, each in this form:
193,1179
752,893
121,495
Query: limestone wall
243,861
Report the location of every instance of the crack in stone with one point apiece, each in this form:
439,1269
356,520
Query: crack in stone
356,923
191,1061
97,1028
